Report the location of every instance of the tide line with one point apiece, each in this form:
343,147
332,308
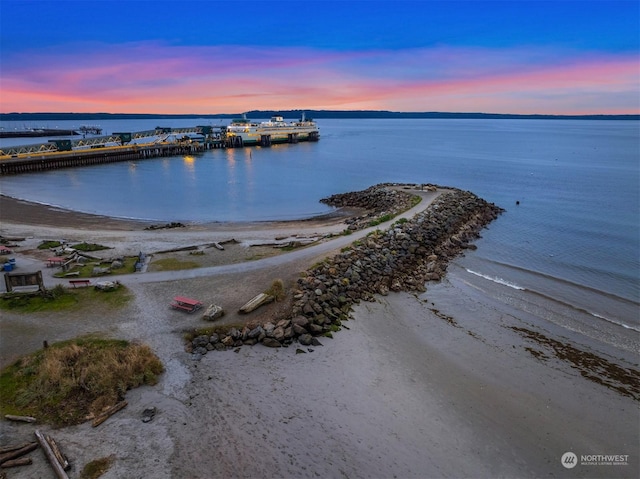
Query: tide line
617,323
495,279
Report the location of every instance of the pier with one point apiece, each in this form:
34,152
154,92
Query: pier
163,141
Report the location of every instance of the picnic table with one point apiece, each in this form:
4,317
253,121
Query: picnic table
56,261
186,304
4,250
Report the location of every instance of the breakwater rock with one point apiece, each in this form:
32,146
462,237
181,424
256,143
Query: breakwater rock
403,258
381,202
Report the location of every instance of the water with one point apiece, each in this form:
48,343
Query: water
573,237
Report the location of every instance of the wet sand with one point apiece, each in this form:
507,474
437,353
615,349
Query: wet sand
442,384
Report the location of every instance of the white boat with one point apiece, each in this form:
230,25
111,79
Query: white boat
276,130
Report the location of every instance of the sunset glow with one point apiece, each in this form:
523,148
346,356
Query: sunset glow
149,72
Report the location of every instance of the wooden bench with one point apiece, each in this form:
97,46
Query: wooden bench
79,282
57,261
186,304
184,307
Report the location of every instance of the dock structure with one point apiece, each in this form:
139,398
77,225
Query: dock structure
163,141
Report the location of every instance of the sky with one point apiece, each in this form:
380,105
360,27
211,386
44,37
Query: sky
211,57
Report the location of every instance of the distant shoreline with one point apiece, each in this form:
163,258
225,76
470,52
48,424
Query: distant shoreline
316,114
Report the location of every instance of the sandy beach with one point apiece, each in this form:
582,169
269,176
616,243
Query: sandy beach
468,379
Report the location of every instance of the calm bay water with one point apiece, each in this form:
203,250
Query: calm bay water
574,236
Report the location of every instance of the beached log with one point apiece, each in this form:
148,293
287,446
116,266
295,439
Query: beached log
218,246
11,417
51,457
62,459
102,417
255,303
8,456
5,449
22,461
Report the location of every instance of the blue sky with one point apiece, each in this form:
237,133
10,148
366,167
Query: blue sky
215,57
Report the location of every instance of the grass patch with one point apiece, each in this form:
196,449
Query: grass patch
86,270
69,382
171,264
89,247
64,299
381,219
49,244
97,467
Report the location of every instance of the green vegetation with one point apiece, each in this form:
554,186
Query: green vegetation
277,290
171,264
86,271
89,247
97,467
381,219
64,299
49,244
208,331
68,382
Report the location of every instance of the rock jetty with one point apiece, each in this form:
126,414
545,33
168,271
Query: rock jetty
403,258
381,202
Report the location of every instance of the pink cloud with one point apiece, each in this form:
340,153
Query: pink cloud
154,78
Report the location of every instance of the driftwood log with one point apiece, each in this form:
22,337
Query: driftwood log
4,449
11,417
21,461
21,451
256,302
62,459
51,457
102,417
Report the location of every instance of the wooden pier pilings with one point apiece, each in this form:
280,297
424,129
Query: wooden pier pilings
94,156
50,159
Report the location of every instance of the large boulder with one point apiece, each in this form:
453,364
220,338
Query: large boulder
213,312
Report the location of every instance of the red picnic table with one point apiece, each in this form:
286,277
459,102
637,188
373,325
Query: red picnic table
4,250
186,304
57,261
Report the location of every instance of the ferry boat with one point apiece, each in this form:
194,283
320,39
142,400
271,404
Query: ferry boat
245,132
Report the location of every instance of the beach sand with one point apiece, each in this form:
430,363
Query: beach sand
464,380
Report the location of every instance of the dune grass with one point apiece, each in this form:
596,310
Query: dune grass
69,382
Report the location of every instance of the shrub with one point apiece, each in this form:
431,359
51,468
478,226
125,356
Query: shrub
66,382
276,290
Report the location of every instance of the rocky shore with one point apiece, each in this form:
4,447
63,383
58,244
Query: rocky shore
402,258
